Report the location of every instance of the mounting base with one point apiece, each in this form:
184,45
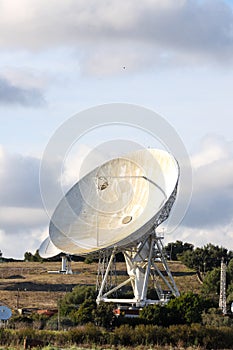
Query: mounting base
142,262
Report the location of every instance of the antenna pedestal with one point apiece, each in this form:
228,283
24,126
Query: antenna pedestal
146,267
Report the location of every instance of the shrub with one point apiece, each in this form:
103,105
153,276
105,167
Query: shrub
72,300
84,314
103,315
214,317
124,335
185,309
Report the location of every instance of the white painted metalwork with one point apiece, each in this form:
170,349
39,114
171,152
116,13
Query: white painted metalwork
48,249
222,295
142,263
116,204
117,207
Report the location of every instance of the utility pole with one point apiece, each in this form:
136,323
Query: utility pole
222,296
17,299
59,314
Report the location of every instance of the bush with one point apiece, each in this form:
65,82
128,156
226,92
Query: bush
72,300
150,335
214,317
185,309
20,321
154,314
89,260
85,312
103,315
125,335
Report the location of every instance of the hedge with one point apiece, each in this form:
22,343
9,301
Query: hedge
125,335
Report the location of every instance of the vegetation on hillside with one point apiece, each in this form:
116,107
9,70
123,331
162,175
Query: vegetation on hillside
206,261
179,336
206,258
191,319
186,309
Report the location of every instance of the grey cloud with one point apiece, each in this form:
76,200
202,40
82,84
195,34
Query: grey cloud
203,27
210,209
179,29
17,219
19,181
212,199
16,95
22,215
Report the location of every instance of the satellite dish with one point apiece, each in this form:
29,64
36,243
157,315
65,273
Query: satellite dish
48,250
117,207
5,313
116,204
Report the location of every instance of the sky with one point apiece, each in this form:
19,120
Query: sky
58,58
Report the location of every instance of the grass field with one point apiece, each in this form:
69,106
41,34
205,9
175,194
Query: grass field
50,347
29,285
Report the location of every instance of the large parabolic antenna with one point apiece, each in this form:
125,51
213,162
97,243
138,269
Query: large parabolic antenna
48,249
116,208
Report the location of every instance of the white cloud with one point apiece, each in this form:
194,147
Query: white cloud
126,33
219,235
25,78
212,149
41,23
73,164
14,218
16,244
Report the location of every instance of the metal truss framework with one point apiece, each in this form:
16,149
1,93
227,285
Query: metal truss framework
142,262
222,296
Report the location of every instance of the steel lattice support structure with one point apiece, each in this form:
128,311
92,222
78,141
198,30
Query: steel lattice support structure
111,281
222,296
141,263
